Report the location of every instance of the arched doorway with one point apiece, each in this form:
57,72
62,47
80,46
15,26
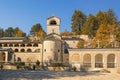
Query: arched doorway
75,58
2,57
29,50
76,61
111,61
87,60
99,61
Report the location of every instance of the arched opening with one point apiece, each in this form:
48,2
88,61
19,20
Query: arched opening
0,45
22,45
35,45
5,45
2,57
99,61
16,45
29,50
16,50
87,60
53,22
10,45
75,58
29,45
22,50
111,61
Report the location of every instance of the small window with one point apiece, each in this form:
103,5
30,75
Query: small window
45,50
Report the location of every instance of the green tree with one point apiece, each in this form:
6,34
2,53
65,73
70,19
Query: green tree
19,33
1,32
112,17
9,32
78,19
37,30
91,26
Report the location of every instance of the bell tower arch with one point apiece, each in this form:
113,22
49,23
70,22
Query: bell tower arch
53,25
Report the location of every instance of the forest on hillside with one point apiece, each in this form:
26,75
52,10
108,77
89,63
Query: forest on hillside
103,27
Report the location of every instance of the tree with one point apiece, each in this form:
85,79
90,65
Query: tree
9,32
78,19
37,31
66,33
112,17
1,32
91,26
80,44
106,17
106,36
19,33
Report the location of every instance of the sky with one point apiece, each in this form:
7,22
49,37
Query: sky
26,13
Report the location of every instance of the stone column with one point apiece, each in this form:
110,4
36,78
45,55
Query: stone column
105,61
6,56
92,61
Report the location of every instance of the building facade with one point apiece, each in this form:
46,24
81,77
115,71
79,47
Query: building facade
62,49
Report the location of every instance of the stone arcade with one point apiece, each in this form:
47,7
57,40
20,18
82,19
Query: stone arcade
56,48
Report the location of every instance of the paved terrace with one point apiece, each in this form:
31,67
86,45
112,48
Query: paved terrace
51,75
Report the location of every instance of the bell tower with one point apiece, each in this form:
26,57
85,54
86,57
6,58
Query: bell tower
53,25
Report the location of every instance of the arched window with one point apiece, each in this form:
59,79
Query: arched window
53,22
99,61
35,45
87,60
29,45
29,50
10,45
16,50
75,58
16,45
0,45
111,61
22,50
22,45
5,45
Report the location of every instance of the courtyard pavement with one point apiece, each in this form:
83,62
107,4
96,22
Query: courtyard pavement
53,75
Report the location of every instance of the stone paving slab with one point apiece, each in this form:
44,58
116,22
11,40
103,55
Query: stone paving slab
52,75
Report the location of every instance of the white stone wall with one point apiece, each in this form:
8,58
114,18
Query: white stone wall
53,28
72,43
93,53
28,57
52,49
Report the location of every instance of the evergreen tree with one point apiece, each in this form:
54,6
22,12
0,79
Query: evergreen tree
91,26
1,32
37,30
78,19
9,32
